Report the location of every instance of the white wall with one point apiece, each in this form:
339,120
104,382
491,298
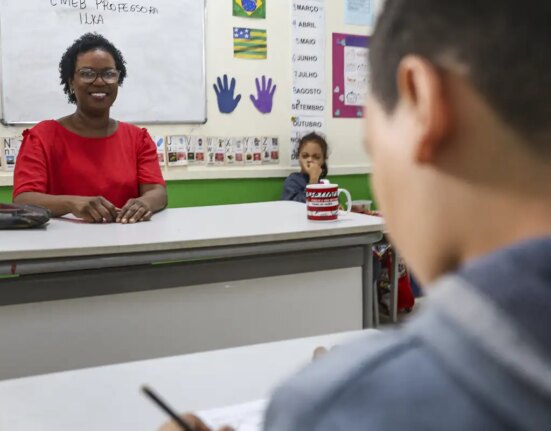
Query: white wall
345,135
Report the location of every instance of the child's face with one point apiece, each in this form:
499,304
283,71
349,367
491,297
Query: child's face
310,153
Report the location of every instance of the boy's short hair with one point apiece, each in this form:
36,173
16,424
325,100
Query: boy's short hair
504,46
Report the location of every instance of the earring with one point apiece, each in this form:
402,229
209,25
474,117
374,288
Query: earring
72,91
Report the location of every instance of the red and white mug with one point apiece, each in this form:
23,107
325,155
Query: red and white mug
322,202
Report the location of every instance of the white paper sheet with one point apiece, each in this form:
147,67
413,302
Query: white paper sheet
359,12
242,417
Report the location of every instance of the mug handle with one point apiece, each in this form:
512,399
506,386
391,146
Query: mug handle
349,201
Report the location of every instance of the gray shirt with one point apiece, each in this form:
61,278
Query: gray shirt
478,357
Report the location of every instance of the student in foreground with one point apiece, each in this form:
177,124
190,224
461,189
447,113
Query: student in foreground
459,133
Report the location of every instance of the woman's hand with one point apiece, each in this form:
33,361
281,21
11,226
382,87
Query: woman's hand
134,211
314,171
152,199
93,209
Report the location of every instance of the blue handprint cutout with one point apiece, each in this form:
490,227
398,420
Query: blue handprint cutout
224,93
265,95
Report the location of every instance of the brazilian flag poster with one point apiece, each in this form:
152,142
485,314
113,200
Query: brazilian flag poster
250,8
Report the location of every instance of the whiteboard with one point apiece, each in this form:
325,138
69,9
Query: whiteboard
162,41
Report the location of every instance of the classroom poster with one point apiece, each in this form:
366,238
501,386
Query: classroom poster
350,75
185,150
249,8
359,12
308,99
250,43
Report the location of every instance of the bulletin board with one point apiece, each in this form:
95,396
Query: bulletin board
350,75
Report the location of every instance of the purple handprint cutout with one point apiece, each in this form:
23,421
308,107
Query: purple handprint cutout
265,96
224,94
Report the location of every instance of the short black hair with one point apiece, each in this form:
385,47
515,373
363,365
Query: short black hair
320,140
504,46
85,43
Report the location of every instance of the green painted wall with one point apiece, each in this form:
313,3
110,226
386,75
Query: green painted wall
191,193
5,194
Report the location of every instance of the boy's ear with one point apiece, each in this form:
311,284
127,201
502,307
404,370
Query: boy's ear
422,88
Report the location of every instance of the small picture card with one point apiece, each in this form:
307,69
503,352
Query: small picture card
270,150
191,150
238,150
274,153
211,150
11,150
160,143
266,146
230,152
220,152
257,151
200,145
248,149
177,150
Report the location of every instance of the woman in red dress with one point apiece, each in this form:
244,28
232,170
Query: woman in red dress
88,164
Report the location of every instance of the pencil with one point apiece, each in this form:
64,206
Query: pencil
155,398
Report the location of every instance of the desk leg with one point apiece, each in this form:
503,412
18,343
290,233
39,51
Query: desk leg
376,320
367,286
394,286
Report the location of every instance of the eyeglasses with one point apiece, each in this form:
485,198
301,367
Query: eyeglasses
89,76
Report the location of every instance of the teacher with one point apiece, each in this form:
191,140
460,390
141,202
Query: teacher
88,164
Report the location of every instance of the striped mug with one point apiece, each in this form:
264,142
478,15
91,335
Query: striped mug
322,202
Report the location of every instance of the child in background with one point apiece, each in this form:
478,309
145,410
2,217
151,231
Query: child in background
312,156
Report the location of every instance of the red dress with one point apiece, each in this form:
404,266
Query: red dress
56,161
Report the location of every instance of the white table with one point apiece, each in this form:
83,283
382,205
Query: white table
108,398
96,294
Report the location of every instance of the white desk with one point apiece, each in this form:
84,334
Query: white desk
178,229
108,398
90,295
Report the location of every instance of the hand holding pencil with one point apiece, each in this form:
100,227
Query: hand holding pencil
187,422
194,422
